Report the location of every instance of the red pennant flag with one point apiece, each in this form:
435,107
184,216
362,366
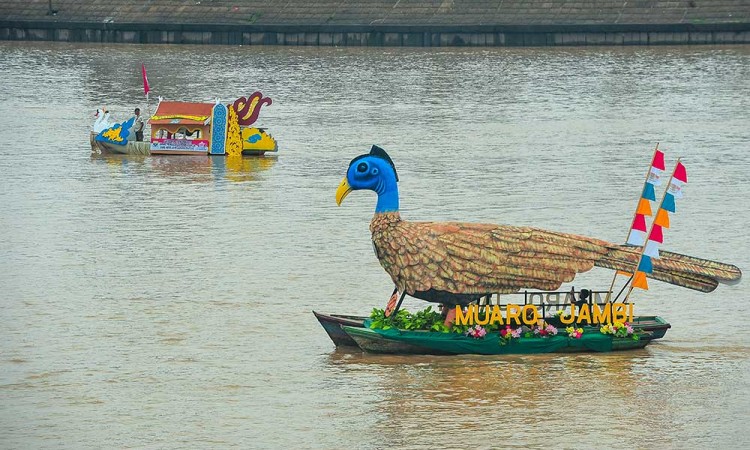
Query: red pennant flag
680,173
658,160
656,234
640,223
145,79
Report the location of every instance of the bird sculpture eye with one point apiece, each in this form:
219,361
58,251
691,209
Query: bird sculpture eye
362,167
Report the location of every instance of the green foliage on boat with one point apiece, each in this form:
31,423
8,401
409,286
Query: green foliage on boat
425,320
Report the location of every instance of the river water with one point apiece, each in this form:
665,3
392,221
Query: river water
165,302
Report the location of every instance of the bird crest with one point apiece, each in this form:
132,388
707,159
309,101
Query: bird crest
378,153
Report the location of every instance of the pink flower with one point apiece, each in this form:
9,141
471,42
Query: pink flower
476,332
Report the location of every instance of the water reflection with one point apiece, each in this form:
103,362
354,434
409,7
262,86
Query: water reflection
495,398
480,379
198,168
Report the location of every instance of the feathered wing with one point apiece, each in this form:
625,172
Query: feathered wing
466,258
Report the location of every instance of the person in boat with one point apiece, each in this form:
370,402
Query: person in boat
138,125
584,297
448,314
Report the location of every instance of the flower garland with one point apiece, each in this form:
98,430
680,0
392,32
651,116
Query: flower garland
510,333
544,330
574,332
476,332
619,329
507,334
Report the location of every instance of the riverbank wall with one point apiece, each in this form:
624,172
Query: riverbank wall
425,23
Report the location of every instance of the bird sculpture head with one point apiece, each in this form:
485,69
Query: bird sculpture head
374,171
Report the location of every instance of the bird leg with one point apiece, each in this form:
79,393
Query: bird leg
449,314
389,308
398,305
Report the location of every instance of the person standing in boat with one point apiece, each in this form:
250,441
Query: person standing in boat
138,125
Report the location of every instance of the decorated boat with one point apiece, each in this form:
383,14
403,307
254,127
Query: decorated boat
655,327
458,264
191,128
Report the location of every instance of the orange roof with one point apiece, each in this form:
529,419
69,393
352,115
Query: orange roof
181,113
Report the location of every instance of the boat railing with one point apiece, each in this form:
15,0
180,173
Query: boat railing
549,301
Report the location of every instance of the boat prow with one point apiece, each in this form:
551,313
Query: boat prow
373,342
332,323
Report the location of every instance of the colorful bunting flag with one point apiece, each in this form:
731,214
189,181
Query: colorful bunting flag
652,249
680,174
656,235
662,218
645,266
639,281
638,230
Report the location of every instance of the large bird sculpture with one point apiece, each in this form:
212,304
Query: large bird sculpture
457,263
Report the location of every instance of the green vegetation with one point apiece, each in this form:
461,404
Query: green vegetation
425,320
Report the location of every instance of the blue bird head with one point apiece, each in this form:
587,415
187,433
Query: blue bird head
374,171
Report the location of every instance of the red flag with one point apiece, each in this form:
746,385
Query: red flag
656,234
680,173
658,161
639,223
145,79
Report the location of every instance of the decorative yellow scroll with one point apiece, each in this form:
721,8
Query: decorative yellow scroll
180,116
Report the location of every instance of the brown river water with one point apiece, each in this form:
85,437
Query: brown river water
165,302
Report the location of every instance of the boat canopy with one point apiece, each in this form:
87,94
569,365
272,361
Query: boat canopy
182,113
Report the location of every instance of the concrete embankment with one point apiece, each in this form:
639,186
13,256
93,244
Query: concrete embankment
379,22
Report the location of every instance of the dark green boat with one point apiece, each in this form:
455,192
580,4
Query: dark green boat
433,343
656,327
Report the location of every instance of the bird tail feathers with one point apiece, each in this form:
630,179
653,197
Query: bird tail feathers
674,268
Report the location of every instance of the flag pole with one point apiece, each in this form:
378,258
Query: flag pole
650,229
146,90
148,114
648,172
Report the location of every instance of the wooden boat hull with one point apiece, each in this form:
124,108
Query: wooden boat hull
655,326
395,341
373,342
332,323
131,148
